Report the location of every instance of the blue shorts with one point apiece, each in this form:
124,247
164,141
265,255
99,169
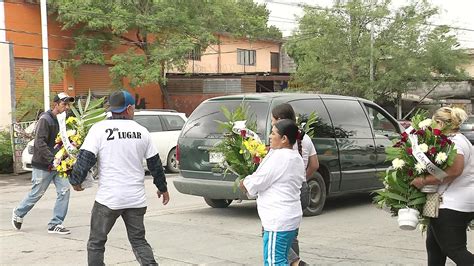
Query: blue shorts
276,246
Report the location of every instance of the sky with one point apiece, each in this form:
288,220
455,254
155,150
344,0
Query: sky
454,13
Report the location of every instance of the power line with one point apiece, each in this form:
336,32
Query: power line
335,8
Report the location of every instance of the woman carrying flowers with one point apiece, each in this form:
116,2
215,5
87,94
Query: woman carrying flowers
447,235
311,164
277,182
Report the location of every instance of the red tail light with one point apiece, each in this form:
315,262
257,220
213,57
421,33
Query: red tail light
177,153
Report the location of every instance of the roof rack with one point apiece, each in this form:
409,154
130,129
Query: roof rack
160,110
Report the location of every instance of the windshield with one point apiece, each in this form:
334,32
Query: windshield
202,122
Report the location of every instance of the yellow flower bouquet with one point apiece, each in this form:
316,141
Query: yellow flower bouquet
72,132
241,147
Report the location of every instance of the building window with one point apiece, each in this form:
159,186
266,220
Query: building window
275,61
195,54
246,57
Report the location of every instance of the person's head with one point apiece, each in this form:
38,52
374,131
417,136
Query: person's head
283,111
449,118
284,134
122,104
61,103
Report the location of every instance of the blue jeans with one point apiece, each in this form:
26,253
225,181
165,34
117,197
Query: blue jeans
40,180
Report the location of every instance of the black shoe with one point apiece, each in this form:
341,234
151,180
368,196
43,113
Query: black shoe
302,263
17,221
58,229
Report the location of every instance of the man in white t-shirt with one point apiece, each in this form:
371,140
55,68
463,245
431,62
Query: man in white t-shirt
119,146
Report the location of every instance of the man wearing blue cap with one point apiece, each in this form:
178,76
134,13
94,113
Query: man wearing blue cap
119,145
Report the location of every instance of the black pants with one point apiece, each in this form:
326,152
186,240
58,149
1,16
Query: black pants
447,237
102,221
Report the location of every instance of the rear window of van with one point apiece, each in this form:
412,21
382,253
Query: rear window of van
202,122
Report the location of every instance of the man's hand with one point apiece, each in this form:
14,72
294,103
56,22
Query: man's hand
418,182
77,187
166,196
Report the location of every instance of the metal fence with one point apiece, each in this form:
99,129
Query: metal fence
21,133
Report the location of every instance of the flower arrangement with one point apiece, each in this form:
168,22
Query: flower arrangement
422,149
73,130
241,147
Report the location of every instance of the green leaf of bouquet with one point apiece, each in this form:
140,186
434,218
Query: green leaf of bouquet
90,122
226,113
96,103
393,196
452,152
417,201
93,113
416,194
88,101
79,107
76,113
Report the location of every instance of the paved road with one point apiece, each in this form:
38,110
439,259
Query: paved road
188,232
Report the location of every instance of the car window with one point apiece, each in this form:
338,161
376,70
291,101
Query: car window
323,127
172,122
348,118
150,122
381,124
203,121
468,125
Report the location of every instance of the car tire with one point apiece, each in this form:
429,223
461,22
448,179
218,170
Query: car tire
171,162
218,203
317,188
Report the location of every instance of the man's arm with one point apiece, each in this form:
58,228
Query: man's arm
156,170
42,134
85,161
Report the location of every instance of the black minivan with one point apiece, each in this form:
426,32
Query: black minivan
351,137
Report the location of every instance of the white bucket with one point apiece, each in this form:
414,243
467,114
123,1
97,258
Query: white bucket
408,219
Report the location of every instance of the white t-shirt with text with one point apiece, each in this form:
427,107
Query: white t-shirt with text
120,146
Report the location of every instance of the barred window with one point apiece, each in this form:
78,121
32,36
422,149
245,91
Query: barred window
246,57
195,54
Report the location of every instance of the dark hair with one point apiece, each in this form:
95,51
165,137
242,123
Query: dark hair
288,128
283,111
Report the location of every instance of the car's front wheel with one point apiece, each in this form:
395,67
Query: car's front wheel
172,163
317,189
218,203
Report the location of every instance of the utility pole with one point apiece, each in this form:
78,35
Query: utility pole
44,44
371,52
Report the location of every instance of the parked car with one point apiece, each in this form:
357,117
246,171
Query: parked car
467,128
164,126
352,135
405,123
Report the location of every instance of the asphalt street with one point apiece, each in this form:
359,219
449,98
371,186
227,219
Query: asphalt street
351,231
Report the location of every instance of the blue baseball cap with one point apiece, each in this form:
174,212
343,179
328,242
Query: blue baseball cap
119,101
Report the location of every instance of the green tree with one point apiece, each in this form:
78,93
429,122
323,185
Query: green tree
332,49
30,100
157,34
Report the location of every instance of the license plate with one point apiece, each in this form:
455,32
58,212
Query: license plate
216,157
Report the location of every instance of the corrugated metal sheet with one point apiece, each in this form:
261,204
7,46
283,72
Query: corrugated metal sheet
93,77
222,86
185,86
23,65
249,84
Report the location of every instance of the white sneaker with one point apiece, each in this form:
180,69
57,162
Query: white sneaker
58,229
